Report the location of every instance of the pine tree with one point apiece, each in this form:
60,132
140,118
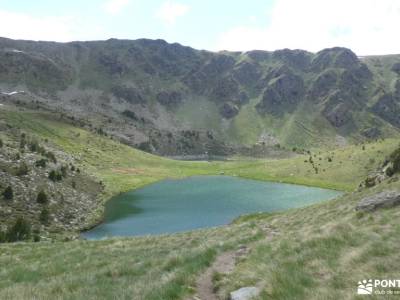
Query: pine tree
42,197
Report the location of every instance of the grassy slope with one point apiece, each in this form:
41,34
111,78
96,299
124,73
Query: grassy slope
122,168
316,252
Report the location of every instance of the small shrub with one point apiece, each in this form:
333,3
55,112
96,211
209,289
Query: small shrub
395,159
22,144
51,156
44,216
3,237
63,170
41,163
42,197
1,143
55,176
34,146
22,170
36,238
8,193
20,231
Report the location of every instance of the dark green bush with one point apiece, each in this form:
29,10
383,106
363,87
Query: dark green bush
34,146
55,175
42,197
20,231
44,216
41,163
8,193
395,159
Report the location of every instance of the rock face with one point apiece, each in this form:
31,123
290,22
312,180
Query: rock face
229,110
334,58
385,199
169,99
245,293
388,108
96,81
337,109
324,82
282,94
129,94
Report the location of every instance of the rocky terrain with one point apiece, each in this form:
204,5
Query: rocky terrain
174,100
43,186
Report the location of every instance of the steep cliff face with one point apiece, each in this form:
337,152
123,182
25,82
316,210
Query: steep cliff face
148,93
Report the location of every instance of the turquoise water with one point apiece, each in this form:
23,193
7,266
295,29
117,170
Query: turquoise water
197,202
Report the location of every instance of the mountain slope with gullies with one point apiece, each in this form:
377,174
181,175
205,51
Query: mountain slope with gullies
170,99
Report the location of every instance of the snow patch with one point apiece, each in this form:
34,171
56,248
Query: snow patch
13,93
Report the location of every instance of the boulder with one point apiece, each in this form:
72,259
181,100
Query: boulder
245,293
228,110
385,199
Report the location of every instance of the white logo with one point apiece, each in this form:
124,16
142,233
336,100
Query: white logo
365,287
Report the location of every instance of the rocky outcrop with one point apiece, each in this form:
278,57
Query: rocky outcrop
129,94
218,65
247,73
297,59
282,95
388,108
228,110
245,293
334,58
338,109
371,133
385,199
33,70
169,99
323,84
225,89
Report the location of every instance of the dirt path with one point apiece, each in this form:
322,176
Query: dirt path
224,264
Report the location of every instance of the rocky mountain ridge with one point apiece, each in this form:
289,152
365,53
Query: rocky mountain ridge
174,100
